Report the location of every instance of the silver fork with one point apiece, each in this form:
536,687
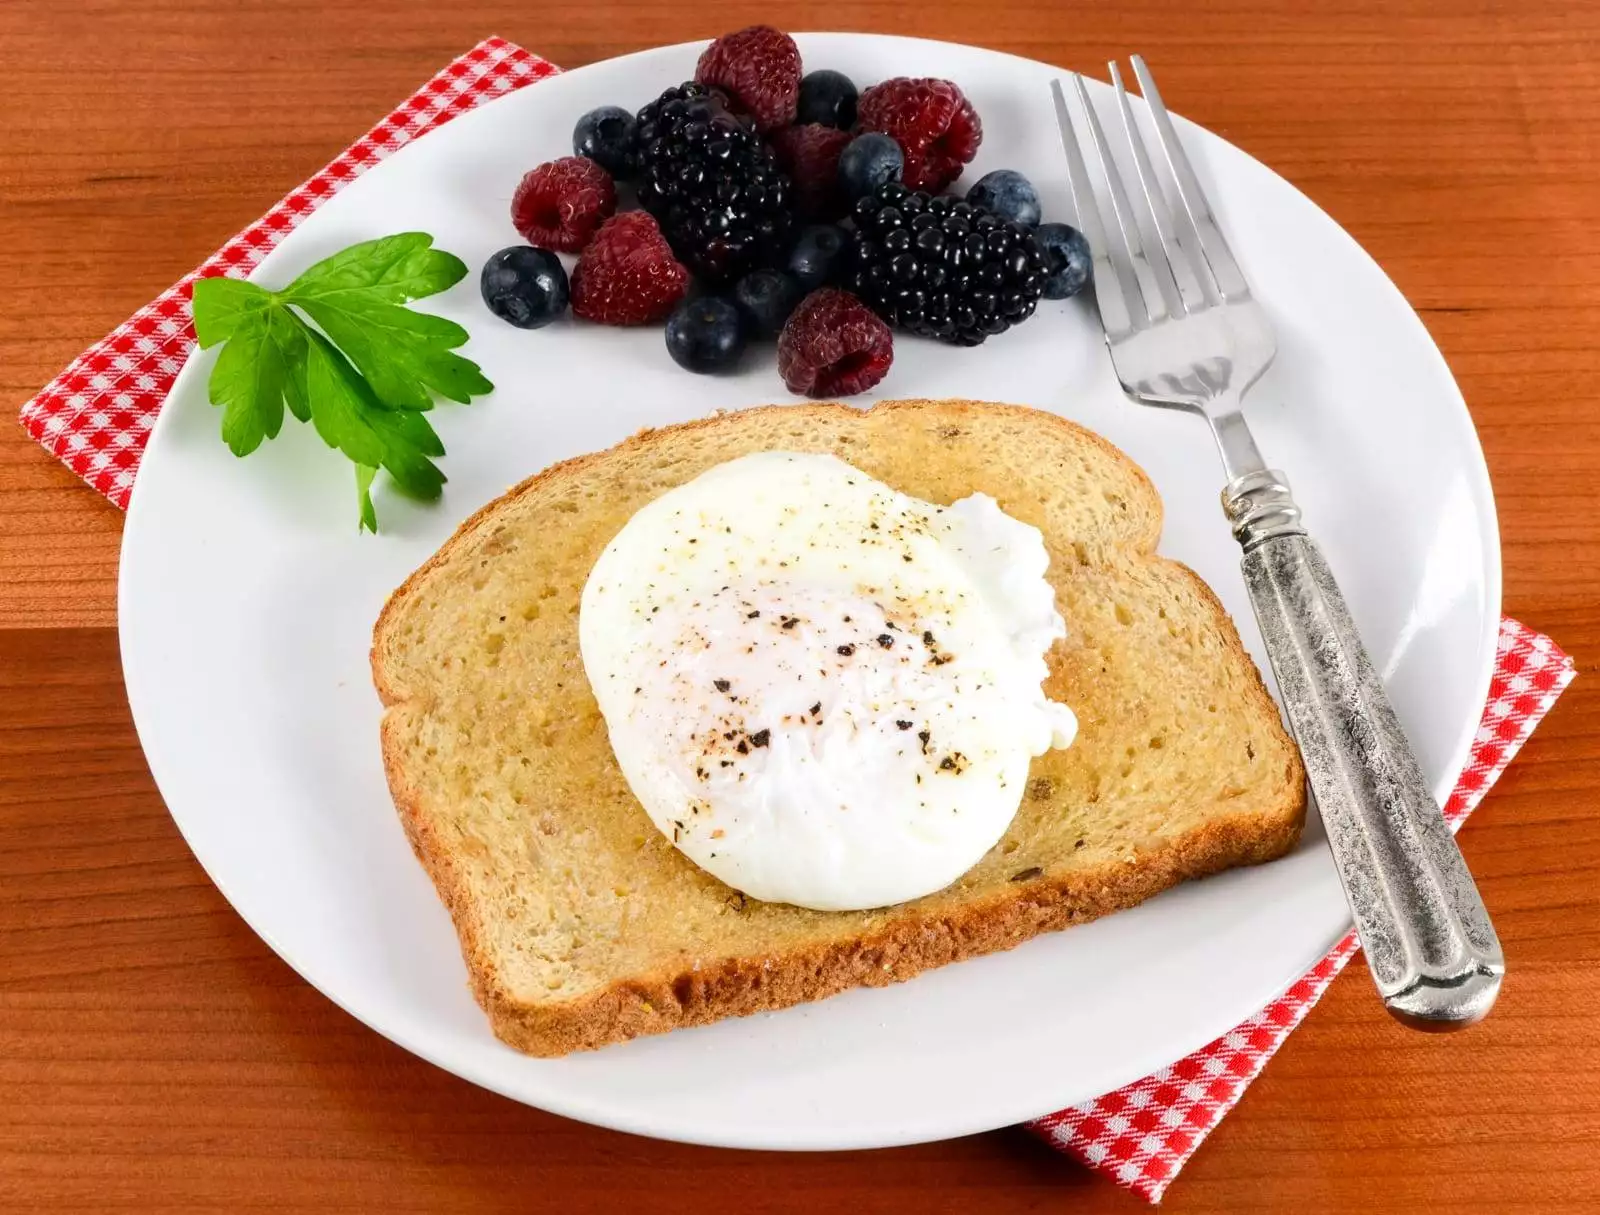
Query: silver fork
1185,333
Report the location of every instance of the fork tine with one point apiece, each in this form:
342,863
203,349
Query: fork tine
1114,284
1190,296
1225,272
1155,300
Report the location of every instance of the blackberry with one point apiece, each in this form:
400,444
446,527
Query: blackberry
943,268
722,202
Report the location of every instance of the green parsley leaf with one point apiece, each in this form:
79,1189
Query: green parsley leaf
222,304
252,377
356,298
395,269
348,417
369,516
401,353
341,403
339,349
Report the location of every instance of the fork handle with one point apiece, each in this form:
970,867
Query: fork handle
1429,943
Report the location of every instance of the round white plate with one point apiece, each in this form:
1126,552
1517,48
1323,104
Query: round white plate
247,601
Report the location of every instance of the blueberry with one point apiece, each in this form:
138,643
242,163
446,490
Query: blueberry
867,162
605,136
1008,194
765,298
815,255
705,334
1067,260
525,286
827,97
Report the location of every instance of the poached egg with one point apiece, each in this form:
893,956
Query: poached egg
823,691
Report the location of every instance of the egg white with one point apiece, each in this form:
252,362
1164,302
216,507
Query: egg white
823,691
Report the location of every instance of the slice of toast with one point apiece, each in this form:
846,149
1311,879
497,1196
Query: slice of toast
582,926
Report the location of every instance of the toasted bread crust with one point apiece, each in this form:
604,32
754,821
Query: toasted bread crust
653,1004
914,940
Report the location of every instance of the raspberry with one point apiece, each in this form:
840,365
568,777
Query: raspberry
833,345
627,275
810,155
933,122
561,203
759,69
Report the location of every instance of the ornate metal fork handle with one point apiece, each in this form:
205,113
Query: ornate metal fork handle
1429,943
1184,333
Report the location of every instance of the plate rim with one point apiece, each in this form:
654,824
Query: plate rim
950,1124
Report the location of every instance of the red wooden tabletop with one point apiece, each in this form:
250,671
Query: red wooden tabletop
154,1053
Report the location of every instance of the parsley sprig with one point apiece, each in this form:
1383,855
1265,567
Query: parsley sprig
339,349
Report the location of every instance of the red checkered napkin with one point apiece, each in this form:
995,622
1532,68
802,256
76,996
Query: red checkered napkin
96,416
1143,1134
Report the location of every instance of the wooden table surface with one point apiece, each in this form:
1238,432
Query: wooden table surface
154,1053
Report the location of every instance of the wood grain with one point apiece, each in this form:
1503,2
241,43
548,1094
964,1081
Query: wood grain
153,1053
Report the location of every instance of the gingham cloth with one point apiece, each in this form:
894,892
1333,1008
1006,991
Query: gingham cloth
1143,1134
96,417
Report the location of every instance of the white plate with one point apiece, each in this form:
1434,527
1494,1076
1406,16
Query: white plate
247,600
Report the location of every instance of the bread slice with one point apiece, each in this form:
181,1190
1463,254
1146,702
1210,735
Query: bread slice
582,926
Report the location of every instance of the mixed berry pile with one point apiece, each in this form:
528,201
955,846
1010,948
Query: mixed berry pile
775,204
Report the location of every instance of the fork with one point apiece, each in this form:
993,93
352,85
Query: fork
1185,332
